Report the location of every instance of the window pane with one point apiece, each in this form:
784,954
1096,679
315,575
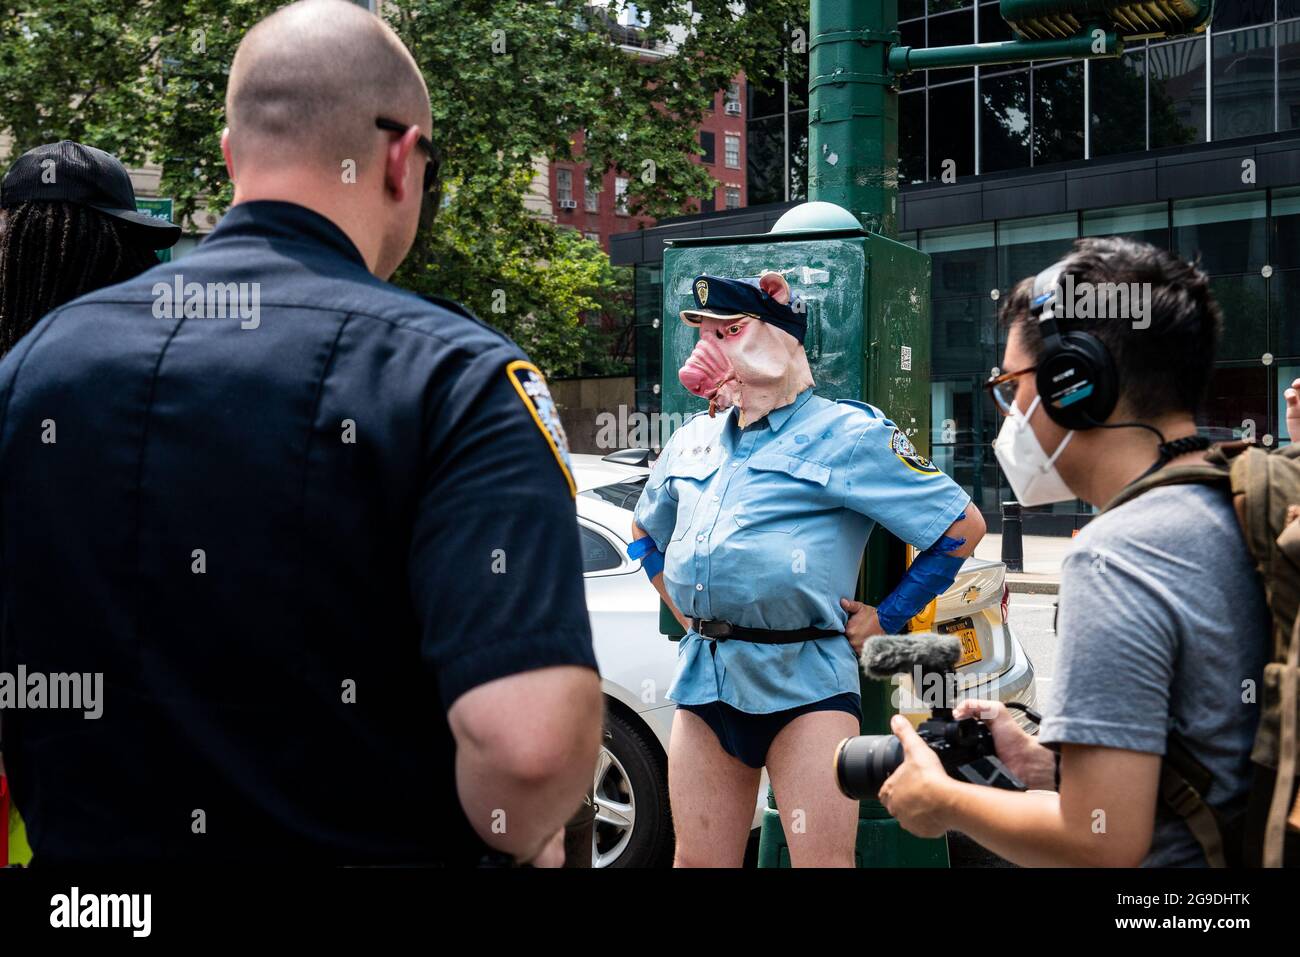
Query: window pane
958,339
1177,102
949,30
1284,306
1244,301
952,129
796,69
1242,13
911,137
764,160
1119,121
1285,252
597,554
731,155
1058,113
1287,9
798,148
1028,246
1237,398
1288,75
1243,83
993,29
907,9
1148,223
944,6
707,147
1228,233
1004,122
963,262
767,99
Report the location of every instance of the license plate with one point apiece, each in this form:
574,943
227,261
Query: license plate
964,629
970,647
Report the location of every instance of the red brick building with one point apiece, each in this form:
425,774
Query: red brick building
599,214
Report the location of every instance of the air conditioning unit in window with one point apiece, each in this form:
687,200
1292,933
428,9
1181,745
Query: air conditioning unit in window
733,109
568,204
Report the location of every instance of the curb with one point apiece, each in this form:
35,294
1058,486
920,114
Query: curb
1032,586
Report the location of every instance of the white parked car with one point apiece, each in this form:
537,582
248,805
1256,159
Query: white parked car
633,820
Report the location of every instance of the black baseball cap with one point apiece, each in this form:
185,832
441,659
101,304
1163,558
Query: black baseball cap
88,177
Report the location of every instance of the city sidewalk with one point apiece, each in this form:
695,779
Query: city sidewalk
1042,561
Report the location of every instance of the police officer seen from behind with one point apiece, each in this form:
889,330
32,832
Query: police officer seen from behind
316,533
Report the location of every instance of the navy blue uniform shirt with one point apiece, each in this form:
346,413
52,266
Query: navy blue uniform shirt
288,538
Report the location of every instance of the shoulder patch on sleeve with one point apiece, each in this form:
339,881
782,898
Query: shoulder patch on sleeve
531,386
902,446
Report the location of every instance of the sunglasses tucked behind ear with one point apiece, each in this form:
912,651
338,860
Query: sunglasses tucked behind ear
432,180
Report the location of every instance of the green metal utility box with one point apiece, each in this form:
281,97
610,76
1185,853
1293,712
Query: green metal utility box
867,300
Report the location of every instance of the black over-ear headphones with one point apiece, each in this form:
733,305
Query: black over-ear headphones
1076,374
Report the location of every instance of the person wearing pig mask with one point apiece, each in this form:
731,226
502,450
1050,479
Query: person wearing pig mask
752,527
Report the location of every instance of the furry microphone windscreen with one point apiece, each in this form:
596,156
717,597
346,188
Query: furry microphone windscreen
887,655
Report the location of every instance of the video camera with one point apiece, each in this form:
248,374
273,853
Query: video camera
965,747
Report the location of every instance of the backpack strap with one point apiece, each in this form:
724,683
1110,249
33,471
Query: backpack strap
1207,474
1275,828
1184,781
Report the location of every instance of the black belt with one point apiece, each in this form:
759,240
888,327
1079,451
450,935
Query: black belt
724,630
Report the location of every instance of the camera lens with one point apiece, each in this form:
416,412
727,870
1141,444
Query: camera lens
863,763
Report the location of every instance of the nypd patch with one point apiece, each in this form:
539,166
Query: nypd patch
902,446
531,386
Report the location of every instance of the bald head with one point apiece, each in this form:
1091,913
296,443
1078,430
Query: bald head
309,81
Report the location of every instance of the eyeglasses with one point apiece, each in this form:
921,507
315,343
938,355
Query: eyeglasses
1003,388
432,181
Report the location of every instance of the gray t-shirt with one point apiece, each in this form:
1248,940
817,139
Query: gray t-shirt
1163,625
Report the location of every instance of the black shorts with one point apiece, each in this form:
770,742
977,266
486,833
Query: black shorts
747,737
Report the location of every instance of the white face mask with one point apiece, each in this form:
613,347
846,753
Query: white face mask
1031,472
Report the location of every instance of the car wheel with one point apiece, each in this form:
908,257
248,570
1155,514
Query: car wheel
634,826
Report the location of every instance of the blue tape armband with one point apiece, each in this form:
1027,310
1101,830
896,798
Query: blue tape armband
645,548
930,574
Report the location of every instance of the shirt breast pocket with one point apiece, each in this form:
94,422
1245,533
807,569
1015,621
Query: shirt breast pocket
688,480
781,491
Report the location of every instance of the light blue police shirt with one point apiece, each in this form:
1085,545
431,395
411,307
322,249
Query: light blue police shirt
765,527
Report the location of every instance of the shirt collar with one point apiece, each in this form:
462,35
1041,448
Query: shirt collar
779,417
285,223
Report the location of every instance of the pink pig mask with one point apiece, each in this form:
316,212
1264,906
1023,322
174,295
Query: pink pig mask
743,361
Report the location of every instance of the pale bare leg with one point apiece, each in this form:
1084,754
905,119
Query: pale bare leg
713,796
820,823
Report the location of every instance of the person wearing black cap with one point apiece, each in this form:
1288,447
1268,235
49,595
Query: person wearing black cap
70,226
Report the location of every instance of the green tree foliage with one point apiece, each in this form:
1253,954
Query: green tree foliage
511,81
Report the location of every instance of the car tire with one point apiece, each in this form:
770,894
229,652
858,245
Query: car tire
631,783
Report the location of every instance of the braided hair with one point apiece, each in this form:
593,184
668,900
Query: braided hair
51,253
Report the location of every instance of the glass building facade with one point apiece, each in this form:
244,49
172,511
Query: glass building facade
1238,84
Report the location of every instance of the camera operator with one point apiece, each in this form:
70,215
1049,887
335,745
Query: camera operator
1163,626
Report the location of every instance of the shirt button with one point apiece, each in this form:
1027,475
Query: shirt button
699,538
699,588
715,498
